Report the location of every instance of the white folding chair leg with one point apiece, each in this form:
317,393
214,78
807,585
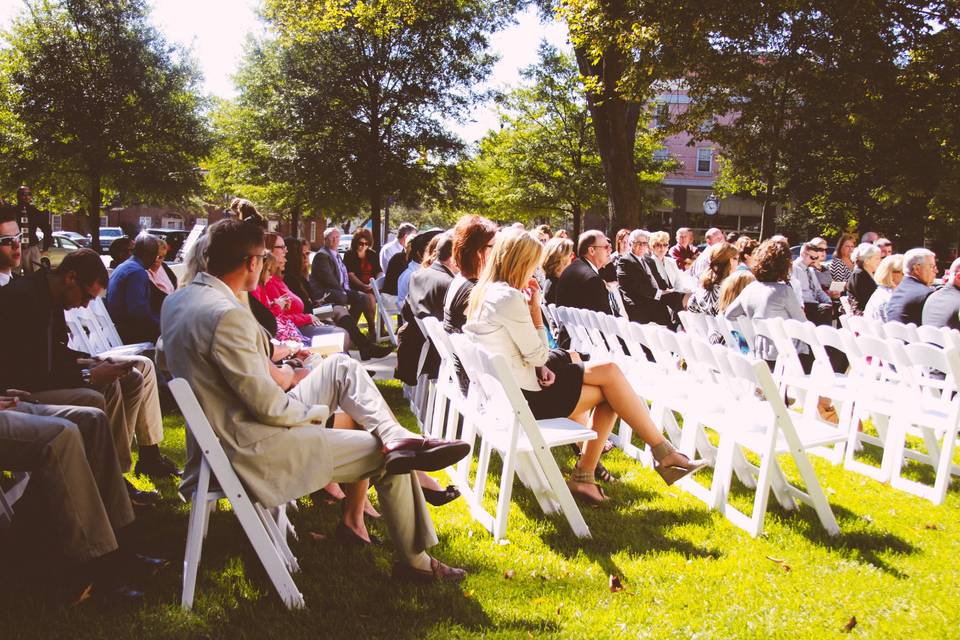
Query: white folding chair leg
196,530
279,539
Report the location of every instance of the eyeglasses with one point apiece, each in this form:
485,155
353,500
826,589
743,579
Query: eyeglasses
363,243
10,241
281,247
607,246
642,243
659,244
262,256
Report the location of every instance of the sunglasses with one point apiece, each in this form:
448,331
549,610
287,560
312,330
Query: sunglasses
10,241
363,243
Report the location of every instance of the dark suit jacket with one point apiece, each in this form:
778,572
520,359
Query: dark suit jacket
581,287
33,339
396,266
906,303
325,282
639,291
942,308
652,268
550,290
428,289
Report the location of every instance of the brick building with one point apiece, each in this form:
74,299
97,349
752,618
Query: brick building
685,190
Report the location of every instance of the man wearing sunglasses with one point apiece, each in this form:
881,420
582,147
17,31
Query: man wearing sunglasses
276,441
9,244
36,219
580,285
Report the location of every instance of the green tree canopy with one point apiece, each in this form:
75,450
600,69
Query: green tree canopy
102,103
356,95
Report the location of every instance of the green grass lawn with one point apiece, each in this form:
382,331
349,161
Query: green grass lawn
687,572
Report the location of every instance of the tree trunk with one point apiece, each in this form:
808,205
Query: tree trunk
295,216
615,123
577,222
95,201
376,204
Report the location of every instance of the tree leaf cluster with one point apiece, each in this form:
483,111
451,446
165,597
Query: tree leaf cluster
349,101
99,103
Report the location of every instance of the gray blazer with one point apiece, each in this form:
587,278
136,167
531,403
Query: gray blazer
766,300
213,341
942,307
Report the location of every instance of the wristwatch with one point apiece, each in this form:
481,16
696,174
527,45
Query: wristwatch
85,375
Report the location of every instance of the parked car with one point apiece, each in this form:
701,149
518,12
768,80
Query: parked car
60,247
78,238
107,236
173,237
345,240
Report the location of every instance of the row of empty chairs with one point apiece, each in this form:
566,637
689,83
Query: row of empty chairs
907,389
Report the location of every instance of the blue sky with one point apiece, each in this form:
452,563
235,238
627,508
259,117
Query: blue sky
214,30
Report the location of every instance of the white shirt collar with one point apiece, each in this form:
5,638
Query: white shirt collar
5,278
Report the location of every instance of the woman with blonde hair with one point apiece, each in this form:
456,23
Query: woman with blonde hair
888,276
557,256
504,317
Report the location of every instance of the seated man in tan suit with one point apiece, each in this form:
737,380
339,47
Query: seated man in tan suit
275,440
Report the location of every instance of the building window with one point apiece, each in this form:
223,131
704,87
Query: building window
201,221
146,222
705,160
56,223
104,222
661,155
313,232
661,115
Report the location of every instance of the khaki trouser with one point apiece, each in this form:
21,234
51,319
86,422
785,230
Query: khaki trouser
132,404
341,384
30,258
70,455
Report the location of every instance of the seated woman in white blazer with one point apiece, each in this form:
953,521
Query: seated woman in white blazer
504,317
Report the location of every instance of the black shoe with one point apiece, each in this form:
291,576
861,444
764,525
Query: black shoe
119,593
159,467
347,537
141,498
375,351
139,567
440,498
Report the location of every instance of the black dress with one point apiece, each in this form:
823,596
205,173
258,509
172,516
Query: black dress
561,398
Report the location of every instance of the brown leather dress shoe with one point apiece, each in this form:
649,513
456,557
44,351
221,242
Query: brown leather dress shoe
438,572
422,454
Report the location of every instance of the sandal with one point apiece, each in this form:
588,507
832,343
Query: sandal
602,474
673,472
580,477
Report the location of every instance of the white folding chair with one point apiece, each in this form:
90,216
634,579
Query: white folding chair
505,424
263,532
759,421
933,335
9,497
932,375
905,333
387,310
879,394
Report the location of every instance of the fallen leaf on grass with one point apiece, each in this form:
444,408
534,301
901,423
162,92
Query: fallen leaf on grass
786,567
847,628
468,594
777,560
615,584
540,600
508,574
932,526
317,537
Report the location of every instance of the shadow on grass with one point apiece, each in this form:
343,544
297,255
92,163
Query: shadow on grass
853,542
349,593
